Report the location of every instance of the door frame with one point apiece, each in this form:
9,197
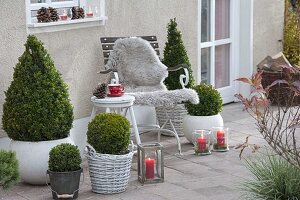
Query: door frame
241,48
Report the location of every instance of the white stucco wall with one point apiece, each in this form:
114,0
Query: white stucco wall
77,53
268,18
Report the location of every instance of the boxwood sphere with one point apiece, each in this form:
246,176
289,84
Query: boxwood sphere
64,158
109,133
210,101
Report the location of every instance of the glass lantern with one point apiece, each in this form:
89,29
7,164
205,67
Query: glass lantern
220,138
150,163
202,142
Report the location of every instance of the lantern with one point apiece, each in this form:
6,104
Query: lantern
150,163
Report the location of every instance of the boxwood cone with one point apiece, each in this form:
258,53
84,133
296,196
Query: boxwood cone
37,105
175,54
37,113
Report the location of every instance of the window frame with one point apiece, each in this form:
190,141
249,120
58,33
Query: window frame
34,27
49,3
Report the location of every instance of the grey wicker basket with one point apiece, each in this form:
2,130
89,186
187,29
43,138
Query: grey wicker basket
177,114
109,173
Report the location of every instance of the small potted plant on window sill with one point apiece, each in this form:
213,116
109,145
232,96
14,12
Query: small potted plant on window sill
64,171
204,115
108,155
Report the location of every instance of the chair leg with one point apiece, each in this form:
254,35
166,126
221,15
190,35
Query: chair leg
134,126
174,132
93,114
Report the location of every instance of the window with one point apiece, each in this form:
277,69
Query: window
97,7
60,5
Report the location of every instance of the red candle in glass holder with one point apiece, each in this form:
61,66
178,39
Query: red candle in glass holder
63,17
150,168
221,138
201,143
89,14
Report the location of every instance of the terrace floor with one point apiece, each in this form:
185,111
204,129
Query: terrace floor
213,177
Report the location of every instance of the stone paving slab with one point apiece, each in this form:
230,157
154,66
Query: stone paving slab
213,177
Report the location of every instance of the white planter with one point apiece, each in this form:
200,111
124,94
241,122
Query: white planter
191,123
33,158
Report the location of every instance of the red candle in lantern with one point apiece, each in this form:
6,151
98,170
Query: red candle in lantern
150,168
221,138
201,143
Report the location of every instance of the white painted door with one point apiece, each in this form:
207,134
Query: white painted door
217,33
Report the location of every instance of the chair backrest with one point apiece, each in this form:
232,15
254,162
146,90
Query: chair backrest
109,42
137,62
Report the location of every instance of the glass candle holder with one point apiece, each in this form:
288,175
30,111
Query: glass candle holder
202,142
150,163
220,138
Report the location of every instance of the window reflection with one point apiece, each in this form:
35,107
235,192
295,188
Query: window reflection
205,65
222,66
205,20
222,24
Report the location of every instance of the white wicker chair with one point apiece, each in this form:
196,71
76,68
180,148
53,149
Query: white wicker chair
135,64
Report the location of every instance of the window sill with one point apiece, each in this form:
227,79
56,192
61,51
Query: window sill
65,25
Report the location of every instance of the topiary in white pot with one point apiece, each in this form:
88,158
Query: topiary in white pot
37,113
204,115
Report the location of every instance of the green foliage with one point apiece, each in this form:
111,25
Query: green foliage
210,101
37,105
109,133
273,178
64,158
9,169
175,54
291,39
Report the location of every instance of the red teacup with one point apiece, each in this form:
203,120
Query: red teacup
116,89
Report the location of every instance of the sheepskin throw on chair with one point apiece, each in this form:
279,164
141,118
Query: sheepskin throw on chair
142,74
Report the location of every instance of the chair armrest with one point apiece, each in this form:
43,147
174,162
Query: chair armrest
183,78
107,71
114,80
177,67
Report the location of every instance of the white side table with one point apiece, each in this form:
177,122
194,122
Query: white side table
125,101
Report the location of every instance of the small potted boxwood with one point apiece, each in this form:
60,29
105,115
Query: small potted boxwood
9,169
204,115
64,171
108,156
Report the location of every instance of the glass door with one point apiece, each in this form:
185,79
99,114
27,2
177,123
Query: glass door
217,66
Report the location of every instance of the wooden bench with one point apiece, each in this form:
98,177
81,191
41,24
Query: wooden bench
108,43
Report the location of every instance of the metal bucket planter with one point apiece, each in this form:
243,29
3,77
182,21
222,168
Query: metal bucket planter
65,185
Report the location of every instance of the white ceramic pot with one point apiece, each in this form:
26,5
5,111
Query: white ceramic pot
191,123
33,159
